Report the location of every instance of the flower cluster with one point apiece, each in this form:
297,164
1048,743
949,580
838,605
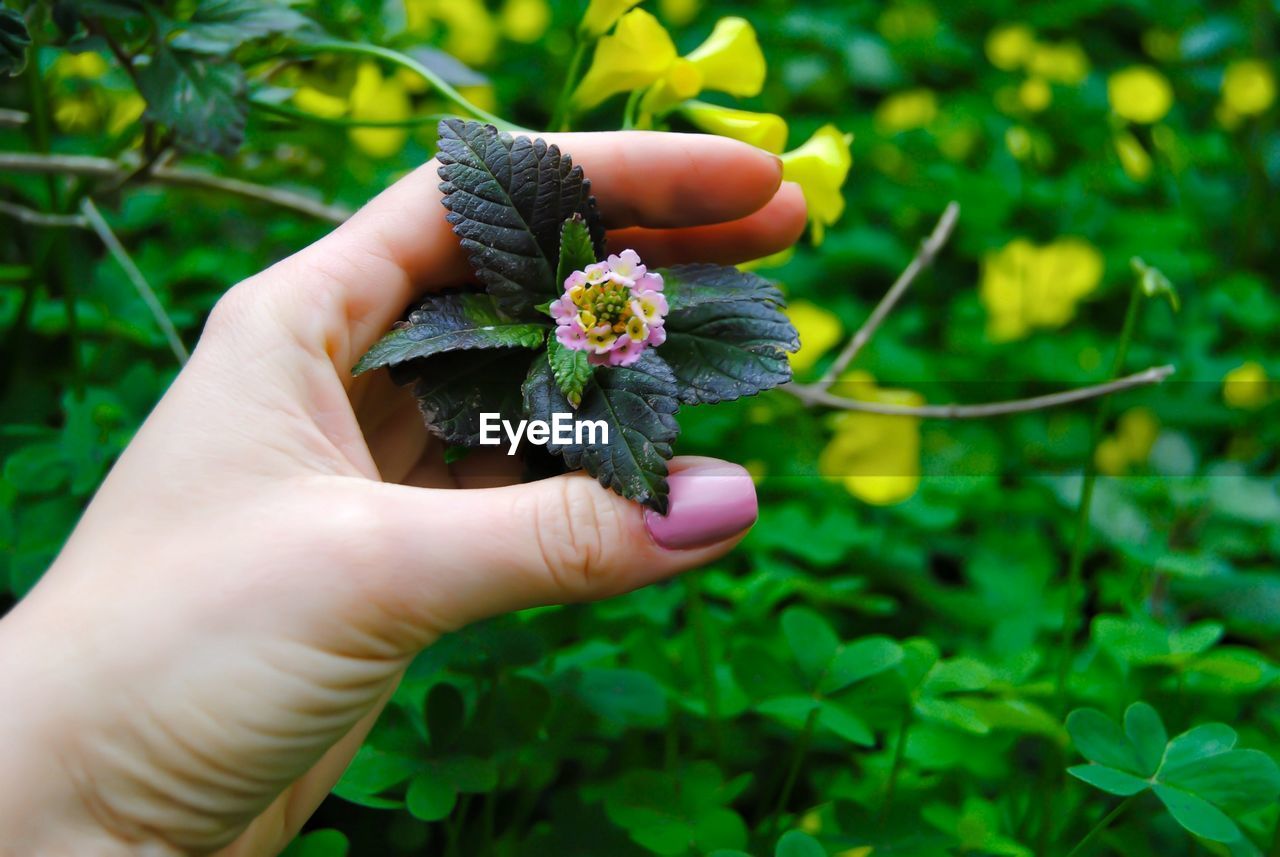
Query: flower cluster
613,310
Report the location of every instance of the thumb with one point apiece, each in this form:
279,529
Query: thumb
469,554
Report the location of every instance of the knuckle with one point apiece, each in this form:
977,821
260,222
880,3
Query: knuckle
575,535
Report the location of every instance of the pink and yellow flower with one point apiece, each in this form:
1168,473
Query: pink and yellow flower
613,310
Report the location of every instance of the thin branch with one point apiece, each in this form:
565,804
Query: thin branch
39,218
13,118
923,259
812,395
105,168
148,295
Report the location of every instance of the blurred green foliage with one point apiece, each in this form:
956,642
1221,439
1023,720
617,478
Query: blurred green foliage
876,670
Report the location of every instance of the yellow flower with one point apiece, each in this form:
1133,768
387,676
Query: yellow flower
766,131
637,54
1140,94
1248,87
1063,63
1133,158
1024,286
471,34
374,98
1010,47
730,59
819,330
1136,433
1034,94
877,457
125,110
904,111
902,22
1246,386
602,15
319,103
525,21
678,13
820,167
76,113
86,65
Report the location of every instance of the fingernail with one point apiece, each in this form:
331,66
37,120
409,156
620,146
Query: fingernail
709,503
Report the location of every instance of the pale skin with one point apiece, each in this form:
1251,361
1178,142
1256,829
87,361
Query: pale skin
223,627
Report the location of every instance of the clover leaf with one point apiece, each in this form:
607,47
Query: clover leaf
1199,776
561,328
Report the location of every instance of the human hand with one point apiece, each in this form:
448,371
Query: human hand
222,628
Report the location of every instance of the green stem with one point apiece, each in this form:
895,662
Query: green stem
441,86
629,112
563,116
702,640
1100,826
1075,565
287,112
793,772
899,754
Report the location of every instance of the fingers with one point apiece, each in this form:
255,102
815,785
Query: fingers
770,230
361,276
471,554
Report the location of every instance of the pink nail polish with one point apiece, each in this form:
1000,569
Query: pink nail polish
709,503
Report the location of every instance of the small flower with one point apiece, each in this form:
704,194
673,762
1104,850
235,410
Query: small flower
1248,87
1140,94
613,310
1246,387
766,131
820,166
1011,46
603,14
378,99
730,61
905,111
819,330
876,456
638,53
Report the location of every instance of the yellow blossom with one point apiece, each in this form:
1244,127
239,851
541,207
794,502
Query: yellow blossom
471,34
1010,47
125,110
77,113
877,457
730,59
1018,141
84,65
1135,435
904,111
602,15
1025,286
819,330
1034,94
1248,87
378,99
637,54
904,21
1140,94
1246,386
820,166
678,13
319,103
525,21
1063,63
1133,158
766,131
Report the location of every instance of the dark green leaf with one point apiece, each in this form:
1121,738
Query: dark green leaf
201,100
860,660
797,843
846,724
637,404
220,26
1145,730
446,715
430,798
14,41
450,323
1100,740
726,334
1198,816
1109,779
577,250
813,644
508,199
453,389
623,697
571,369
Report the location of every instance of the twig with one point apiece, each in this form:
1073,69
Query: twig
813,396
923,259
13,118
105,168
99,225
39,218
